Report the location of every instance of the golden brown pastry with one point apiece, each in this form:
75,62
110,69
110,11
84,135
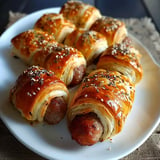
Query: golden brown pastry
81,14
90,43
40,96
113,29
27,43
72,38
67,63
122,57
100,106
56,25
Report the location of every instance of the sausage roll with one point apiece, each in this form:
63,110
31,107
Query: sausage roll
100,106
90,43
56,25
27,43
40,96
113,29
122,57
66,62
81,14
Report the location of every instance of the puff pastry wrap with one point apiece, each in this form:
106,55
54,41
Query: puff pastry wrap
34,90
36,47
122,57
90,43
56,25
113,29
27,43
109,95
81,14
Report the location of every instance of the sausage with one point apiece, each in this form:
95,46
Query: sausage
86,129
78,73
56,111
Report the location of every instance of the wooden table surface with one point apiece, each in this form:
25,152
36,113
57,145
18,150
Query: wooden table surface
10,148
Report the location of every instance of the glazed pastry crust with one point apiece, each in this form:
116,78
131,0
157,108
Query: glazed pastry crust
90,43
33,91
122,57
64,61
80,14
73,37
113,29
36,47
109,95
27,43
56,25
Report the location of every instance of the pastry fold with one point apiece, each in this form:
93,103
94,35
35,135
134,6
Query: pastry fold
34,90
67,63
27,43
90,43
36,47
56,25
124,58
81,14
113,29
109,95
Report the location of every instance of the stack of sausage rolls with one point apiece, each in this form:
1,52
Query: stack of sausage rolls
59,49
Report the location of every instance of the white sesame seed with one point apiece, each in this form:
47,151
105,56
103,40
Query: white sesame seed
29,94
34,93
102,100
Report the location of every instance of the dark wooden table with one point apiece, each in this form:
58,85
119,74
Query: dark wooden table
10,148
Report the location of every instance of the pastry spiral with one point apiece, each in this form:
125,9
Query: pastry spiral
124,58
113,29
27,43
36,93
67,63
104,97
90,43
56,25
81,14
36,47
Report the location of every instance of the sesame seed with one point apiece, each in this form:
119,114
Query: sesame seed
102,100
29,94
34,93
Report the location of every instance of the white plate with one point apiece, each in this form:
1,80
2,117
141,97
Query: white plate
54,142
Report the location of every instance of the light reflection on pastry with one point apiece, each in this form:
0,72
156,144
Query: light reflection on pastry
38,48
113,29
124,58
100,106
40,96
81,14
27,43
90,43
67,63
56,25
